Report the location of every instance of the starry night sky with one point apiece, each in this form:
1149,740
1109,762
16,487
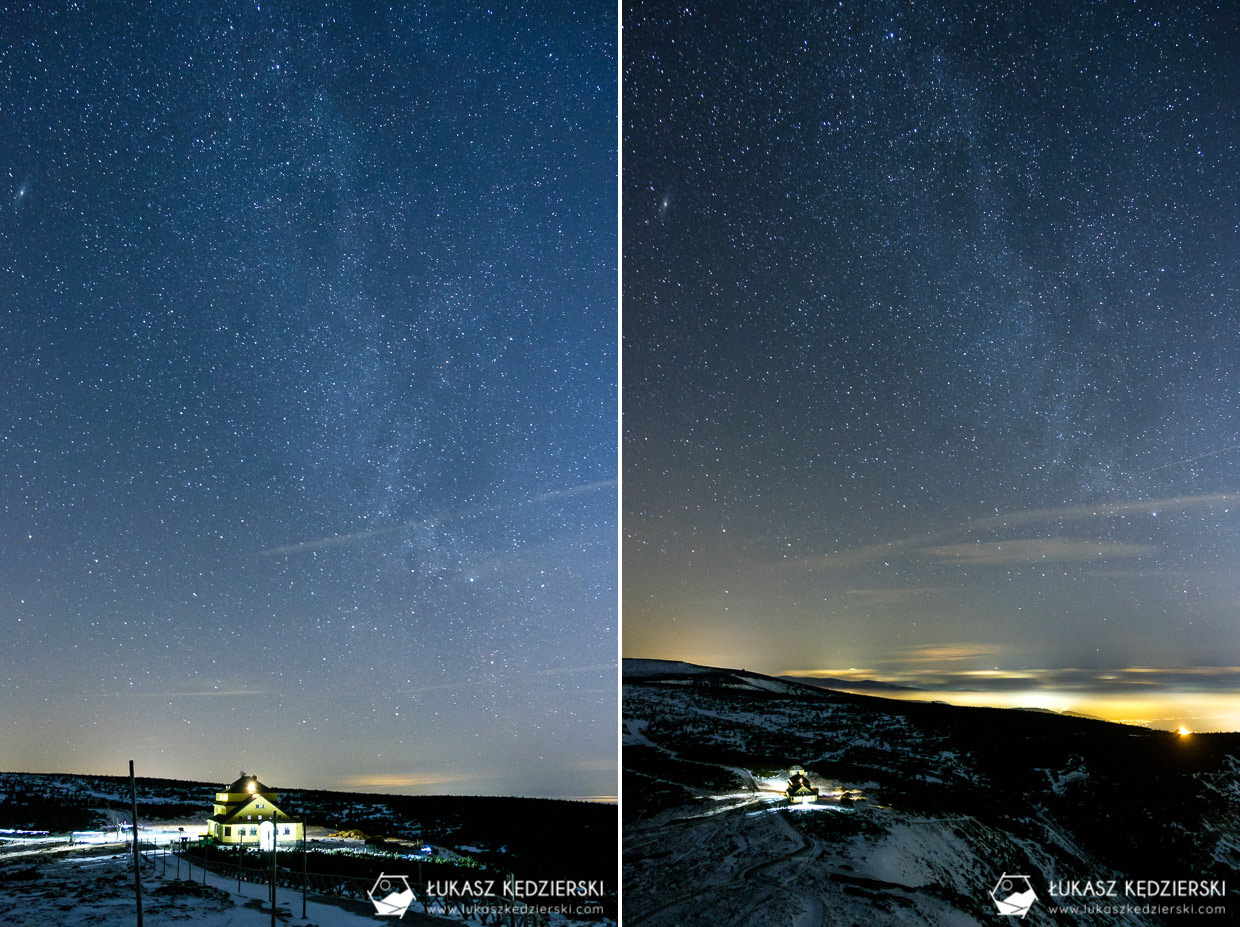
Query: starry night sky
308,394
932,363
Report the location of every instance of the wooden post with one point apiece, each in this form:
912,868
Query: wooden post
137,859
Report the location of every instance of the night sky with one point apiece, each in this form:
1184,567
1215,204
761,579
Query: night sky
932,354
308,394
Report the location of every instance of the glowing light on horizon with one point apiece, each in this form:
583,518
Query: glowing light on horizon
1159,710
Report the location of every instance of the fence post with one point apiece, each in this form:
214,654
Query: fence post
137,857
275,840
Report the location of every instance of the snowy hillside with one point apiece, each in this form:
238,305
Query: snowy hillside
922,807
54,815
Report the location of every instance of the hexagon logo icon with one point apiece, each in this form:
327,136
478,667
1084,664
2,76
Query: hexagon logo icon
391,895
1013,895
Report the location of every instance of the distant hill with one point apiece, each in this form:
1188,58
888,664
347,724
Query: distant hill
634,667
674,672
832,682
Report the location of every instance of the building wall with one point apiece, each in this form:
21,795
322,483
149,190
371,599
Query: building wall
239,832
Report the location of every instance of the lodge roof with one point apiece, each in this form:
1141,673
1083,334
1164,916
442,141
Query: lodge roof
243,785
232,815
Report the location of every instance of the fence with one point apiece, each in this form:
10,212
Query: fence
488,910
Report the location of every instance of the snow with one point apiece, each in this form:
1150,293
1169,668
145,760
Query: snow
635,733
99,891
1059,781
918,854
769,685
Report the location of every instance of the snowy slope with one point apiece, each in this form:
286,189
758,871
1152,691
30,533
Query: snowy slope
923,806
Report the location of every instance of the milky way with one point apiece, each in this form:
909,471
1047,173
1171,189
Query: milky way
933,350
307,450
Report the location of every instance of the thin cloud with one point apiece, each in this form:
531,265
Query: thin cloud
938,540
336,540
852,673
894,596
584,543
947,653
390,781
594,668
1132,679
463,684
471,683
232,693
572,491
1108,510
1176,463
341,540
859,556
1036,550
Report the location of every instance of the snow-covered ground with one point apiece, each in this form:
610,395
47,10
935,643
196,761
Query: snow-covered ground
920,847
99,890
62,885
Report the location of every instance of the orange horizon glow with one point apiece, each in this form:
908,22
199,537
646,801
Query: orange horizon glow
1183,711
1211,712
1161,698
1125,695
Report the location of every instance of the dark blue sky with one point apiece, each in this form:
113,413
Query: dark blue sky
930,336
307,370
